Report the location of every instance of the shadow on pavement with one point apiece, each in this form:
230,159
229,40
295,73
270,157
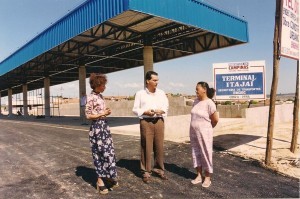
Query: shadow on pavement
134,167
88,175
228,141
131,165
180,171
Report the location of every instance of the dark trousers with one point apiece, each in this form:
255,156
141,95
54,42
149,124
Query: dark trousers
152,140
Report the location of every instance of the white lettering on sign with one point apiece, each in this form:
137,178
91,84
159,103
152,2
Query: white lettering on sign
238,77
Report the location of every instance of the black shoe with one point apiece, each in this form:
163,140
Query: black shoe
112,184
102,189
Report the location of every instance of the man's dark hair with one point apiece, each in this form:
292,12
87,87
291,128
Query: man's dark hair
148,75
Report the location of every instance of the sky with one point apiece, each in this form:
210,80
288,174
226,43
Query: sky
21,20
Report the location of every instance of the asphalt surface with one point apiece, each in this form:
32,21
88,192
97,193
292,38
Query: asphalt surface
41,160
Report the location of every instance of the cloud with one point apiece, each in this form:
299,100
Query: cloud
176,85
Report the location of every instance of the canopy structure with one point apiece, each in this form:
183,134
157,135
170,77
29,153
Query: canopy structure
108,36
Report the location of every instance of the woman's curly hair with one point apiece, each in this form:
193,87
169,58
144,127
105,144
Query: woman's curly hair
97,79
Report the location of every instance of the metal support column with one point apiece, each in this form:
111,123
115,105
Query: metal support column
9,102
148,59
47,96
25,100
82,87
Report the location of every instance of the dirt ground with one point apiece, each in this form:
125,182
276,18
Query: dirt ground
51,158
232,136
250,142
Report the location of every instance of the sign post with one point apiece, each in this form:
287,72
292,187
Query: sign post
276,58
296,114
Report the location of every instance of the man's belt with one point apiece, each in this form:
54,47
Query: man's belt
152,119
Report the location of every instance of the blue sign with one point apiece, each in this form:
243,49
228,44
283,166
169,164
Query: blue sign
240,84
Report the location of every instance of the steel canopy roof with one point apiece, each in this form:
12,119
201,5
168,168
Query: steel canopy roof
108,36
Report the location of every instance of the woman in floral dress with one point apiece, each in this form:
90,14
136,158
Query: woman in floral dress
101,141
204,118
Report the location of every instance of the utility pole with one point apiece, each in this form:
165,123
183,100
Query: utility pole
276,59
296,114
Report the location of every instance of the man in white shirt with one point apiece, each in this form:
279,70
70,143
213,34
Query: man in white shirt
151,106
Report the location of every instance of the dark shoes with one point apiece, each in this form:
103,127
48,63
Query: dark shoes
107,186
113,184
102,189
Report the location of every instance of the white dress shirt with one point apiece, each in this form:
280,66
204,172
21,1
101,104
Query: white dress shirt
145,100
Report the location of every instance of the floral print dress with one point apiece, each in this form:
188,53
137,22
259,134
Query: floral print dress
101,141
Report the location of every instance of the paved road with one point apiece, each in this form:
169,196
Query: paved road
42,161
